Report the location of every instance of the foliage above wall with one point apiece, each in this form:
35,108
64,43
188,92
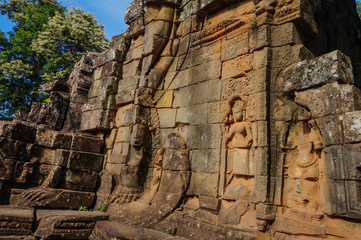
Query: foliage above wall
43,46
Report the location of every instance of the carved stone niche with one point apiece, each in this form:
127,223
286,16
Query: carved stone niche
343,187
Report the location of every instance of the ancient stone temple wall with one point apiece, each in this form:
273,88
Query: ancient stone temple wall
213,119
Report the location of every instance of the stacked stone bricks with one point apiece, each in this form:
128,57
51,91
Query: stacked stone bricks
218,119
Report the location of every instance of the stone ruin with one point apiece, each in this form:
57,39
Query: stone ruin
206,119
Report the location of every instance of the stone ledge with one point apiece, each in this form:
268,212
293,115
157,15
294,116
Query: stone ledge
111,230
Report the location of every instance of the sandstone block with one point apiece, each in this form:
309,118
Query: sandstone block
7,168
125,97
286,55
261,157
235,46
237,67
260,183
85,161
197,74
260,37
16,221
43,155
86,143
80,180
208,53
130,176
331,129
207,160
176,160
158,28
115,230
153,44
209,203
352,126
138,135
17,131
15,149
204,136
55,198
108,56
135,53
108,102
329,99
56,109
285,34
334,66
125,116
110,139
167,117
134,11
61,157
104,87
205,92
117,158
214,112
128,84
57,85
174,181
205,184
194,115
37,112
165,99
66,224
53,139
97,120
342,198
123,134
131,69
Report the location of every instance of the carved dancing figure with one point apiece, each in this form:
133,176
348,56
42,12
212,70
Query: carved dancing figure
239,140
239,136
303,168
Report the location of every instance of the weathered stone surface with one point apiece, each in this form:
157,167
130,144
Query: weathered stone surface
329,99
15,149
56,86
86,143
204,119
17,131
56,109
351,125
331,67
37,112
16,221
66,224
53,139
210,189
108,230
85,161
51,198
108,56
97,120
7,169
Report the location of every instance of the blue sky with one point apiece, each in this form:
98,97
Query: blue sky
109,13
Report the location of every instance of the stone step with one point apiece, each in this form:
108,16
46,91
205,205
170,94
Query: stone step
105,230
28,223
16,221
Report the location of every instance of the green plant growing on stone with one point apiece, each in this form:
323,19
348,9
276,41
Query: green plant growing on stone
170,231
149,125
84,209
254,23
104,207
134,223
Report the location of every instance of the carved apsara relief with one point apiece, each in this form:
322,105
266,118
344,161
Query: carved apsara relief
238,137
